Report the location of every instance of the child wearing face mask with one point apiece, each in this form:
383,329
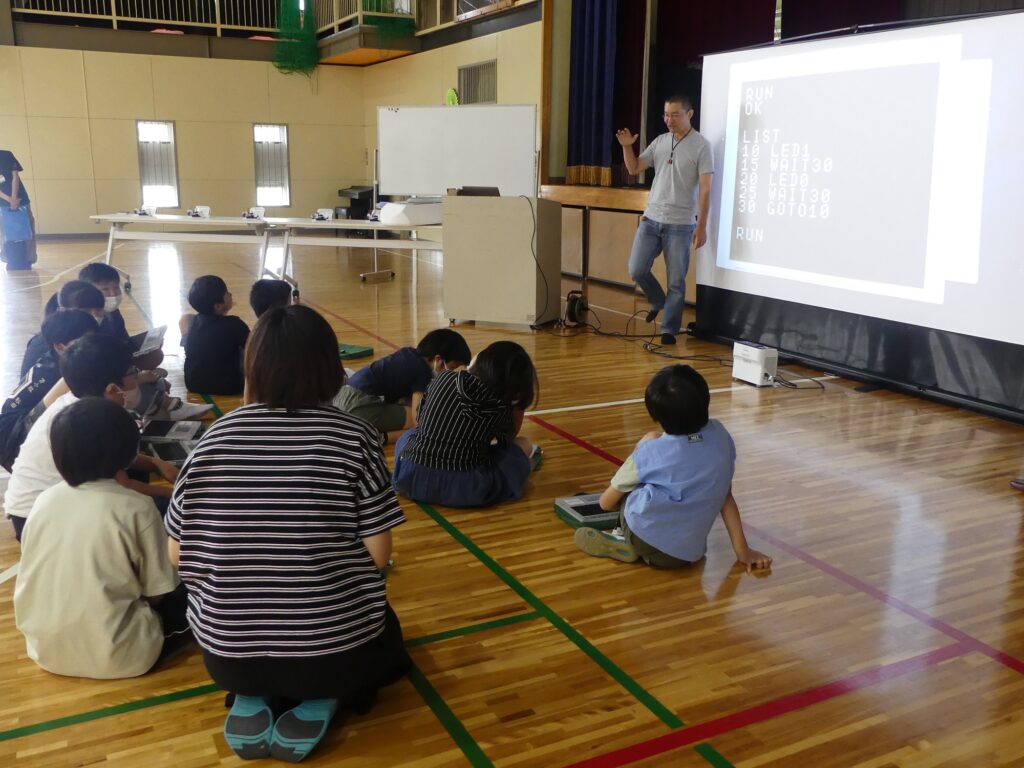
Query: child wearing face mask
76,294
95,365
387,392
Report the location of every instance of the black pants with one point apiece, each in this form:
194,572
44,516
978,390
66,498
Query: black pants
352,677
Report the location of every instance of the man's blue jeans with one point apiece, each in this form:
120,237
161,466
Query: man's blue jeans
673,240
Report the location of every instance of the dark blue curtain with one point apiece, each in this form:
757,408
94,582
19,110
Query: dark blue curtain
591,92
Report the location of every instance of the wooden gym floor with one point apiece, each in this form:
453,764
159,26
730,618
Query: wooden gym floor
890,631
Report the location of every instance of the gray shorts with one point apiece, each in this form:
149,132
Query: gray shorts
387,417
650,555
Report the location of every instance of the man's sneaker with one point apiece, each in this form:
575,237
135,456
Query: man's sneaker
651,315
599,544
668,339
185,410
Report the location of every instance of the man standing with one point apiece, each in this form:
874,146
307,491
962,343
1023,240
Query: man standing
682,164
18,252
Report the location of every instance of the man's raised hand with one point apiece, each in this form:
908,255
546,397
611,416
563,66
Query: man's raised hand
626,138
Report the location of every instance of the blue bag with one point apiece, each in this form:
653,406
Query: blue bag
16,225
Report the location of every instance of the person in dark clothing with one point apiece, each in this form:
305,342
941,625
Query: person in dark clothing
76,294
213,340
15,251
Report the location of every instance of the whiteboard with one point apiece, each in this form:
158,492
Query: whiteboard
427,150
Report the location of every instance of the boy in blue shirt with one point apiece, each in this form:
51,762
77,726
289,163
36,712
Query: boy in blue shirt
675,483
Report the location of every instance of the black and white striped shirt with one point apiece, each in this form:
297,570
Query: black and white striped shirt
270,511
458,419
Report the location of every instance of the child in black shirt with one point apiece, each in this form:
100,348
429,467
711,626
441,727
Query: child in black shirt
213,340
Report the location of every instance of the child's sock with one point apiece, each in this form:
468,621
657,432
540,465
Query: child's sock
300,729
536,457
248,727
599,544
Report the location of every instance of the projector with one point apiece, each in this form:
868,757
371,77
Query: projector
754,363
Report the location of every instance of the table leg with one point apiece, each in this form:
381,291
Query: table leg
378,274
116,227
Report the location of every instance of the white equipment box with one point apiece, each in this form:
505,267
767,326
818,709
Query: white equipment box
754,363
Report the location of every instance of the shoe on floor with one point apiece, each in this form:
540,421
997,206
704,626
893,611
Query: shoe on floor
651,315
248,727
536,458
185,410
1017,483
299,730
599,544
668,339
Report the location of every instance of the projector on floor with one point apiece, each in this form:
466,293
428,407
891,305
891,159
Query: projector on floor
754,363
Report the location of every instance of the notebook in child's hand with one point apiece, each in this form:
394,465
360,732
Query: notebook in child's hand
164,430
173,453
351,351
148,341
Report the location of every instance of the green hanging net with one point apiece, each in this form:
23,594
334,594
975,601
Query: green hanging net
296,38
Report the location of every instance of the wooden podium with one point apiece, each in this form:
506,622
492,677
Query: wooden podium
490,273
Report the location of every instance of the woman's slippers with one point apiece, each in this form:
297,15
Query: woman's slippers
248,727
300,729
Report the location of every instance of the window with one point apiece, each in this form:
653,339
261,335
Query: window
271,143
478,83
157,164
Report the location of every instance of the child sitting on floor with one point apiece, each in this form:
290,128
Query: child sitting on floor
213,340
76,294
675,483
102,549
19,410
96,365
387,392
107,280
466,450
269,294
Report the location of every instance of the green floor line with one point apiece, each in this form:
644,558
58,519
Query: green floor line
451,723
217,412
189,693
662,712
473,628
713,756
96,714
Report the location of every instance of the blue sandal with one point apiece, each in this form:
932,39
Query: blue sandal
299,730
248,727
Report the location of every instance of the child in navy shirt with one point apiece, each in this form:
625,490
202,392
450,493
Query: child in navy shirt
213,340
387,392
675,483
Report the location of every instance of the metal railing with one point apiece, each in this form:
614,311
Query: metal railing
335,15
207,16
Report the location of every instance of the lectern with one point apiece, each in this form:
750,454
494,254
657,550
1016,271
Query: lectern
502,259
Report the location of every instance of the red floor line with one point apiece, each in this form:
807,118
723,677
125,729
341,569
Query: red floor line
703,731
573,439
322,309
960,636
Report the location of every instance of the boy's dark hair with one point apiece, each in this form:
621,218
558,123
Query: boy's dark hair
268,294
93,362
507,370
205,292
92,439
98,272
678,398
448,344
64,327
76,294
291,360
681,98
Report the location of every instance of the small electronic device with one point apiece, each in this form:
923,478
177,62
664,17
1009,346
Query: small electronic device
583,511
754,363
166,431
323,214
353,351
199,212
256,212
148,341
174,453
